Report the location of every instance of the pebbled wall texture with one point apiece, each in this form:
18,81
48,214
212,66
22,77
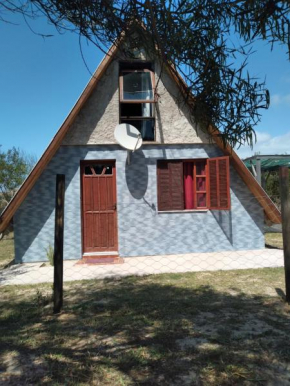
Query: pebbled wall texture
97,120
141,229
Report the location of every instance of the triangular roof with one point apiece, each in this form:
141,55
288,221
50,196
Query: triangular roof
270,208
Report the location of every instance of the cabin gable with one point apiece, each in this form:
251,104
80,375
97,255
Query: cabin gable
96,122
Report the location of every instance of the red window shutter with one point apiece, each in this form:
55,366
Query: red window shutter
219,183
212,183
170,185
176,185
224,182
163,186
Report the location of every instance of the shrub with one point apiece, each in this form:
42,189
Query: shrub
49,254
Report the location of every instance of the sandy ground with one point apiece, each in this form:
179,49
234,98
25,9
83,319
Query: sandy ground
33,273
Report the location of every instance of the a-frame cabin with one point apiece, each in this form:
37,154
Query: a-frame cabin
182,192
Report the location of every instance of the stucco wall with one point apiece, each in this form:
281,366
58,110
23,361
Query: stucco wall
97,120
141,229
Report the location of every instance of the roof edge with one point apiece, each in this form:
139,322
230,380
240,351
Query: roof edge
55,143
263,198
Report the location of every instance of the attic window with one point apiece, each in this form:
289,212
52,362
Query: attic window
137,86
137,98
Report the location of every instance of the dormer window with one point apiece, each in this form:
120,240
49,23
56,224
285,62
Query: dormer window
137,98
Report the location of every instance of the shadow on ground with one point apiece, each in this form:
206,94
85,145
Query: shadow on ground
147,331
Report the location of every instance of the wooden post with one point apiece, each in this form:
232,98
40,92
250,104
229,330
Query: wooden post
259,170
58,244
285,209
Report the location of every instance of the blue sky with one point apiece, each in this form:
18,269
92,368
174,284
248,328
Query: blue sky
41,79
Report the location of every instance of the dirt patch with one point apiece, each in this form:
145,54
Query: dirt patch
16,367
253,328
197,343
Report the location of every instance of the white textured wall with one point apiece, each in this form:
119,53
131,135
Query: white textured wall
97,120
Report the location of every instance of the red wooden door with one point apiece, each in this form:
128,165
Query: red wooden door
99,204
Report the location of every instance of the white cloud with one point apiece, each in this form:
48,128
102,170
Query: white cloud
277,99
266,144
263,137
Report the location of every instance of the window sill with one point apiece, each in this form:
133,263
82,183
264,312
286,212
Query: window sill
183,211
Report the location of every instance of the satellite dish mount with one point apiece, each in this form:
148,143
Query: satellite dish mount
129,138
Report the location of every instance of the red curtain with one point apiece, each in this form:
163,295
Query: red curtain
188,185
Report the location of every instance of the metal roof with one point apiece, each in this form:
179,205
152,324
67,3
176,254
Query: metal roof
268,163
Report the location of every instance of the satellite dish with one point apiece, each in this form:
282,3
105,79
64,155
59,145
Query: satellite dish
128,137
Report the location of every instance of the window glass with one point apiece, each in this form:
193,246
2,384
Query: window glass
200,184
102,169
88,171
137,86
146,127
98,169
136,110
200,168
201,200
108,170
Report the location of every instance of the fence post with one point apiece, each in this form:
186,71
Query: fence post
58,244
285,210
259,170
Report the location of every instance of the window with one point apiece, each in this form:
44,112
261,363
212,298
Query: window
98,169
193,184
137,98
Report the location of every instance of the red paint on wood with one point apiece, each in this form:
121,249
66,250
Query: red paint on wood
219,183
170,185
99,205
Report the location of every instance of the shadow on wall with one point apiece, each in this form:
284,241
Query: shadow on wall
39,227
247,200
224,220
137,175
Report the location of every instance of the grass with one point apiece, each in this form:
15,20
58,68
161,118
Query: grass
274,240
6,250
211,328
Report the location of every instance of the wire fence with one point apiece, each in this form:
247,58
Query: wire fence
200,318
245,249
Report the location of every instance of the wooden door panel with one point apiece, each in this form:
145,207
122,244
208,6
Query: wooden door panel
96,194
87,192
103,238
103,194
111,226
111,200
88,226
99,207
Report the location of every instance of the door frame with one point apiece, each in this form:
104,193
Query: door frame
83,163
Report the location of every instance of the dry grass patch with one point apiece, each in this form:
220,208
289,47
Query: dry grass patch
6,250
274,240
213,328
